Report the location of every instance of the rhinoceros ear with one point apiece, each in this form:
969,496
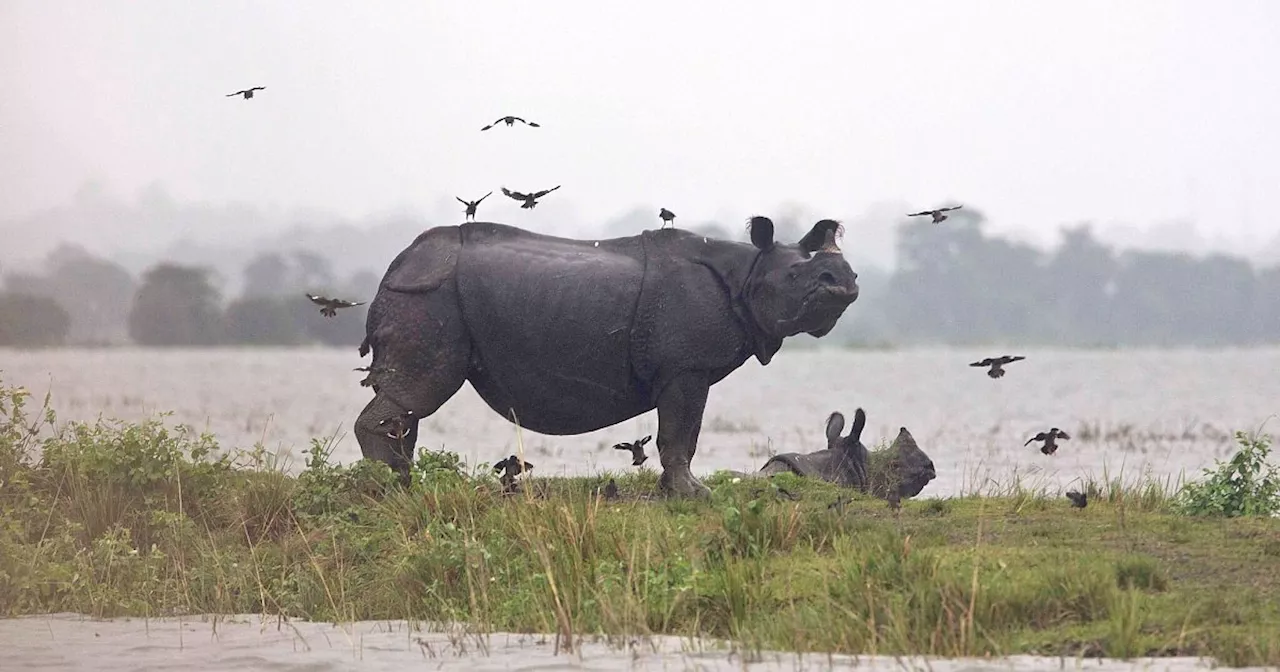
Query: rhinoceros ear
822,236
835,425
859,421
761,230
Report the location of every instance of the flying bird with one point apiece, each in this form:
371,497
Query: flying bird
1078,499
1050,439
510,121
329,307
471,205
530,200
247,93
997,364
667,217
637,450
373,372
936,214
511,467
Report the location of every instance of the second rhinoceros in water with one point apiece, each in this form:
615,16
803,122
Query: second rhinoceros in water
900,471
569,336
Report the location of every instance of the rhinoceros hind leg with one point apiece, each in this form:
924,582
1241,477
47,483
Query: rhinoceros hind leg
680,408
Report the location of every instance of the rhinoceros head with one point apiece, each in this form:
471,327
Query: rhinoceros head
801,287
902,466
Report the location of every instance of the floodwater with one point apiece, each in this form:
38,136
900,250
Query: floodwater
70,642
1162,413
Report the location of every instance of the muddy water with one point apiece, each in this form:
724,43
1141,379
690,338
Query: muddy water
70,642
1158,412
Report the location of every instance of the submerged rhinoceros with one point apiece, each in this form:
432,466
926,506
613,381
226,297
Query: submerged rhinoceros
569,336
897,472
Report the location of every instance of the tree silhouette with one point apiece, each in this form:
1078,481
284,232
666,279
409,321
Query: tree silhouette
28,320
175,306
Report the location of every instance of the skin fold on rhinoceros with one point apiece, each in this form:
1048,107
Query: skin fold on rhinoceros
568,336
897,472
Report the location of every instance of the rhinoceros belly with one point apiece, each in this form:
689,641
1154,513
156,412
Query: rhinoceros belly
550,321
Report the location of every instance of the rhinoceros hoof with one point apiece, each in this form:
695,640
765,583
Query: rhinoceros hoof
681,483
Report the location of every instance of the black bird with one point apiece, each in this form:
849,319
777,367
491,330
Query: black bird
530,200
997,364
936,214
471,205
510,120
511,467
1078,499
787,494
610,490
247,93
372,371
839,504
637,450
329,307
1050,439
667,217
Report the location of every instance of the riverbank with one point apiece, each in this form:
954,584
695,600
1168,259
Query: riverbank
143,520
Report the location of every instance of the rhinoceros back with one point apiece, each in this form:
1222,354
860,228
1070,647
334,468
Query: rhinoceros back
550,320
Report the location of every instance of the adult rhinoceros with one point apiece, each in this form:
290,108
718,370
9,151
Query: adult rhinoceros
569,336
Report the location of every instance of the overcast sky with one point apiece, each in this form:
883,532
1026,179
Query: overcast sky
1040,112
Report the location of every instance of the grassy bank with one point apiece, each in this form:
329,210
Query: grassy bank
143,519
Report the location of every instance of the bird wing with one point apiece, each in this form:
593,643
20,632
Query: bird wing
534,124
258,88
499,120
520,120
487,127
544,192
348,304
646,439
319,299
917,214
484,197
234,94
954,207
466,203
1063,435
514,194
1014,358
622,446
985,362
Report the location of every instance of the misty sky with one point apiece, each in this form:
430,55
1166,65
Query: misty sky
1042,113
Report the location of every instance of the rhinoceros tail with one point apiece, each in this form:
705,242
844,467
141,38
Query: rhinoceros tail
364,346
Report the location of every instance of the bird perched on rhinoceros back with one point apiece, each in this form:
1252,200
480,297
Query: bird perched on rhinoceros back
937,215
666,216
530,200
470,211
1050,439
997,364
637,450
329,307
897,472
567,336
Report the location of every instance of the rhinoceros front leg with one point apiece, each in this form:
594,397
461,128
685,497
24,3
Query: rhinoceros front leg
680,407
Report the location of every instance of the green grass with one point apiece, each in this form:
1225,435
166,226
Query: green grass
115,519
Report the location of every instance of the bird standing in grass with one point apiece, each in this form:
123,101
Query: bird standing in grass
997,364
511,467
1050,439
936,214
1078,499
247,93
329,307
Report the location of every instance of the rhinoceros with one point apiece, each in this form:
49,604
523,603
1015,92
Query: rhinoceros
897,472
567,336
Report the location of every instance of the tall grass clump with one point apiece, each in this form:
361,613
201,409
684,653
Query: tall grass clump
142,519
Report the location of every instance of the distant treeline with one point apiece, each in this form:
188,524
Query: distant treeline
953,284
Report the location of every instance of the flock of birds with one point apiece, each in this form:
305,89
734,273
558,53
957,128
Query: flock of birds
512,466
